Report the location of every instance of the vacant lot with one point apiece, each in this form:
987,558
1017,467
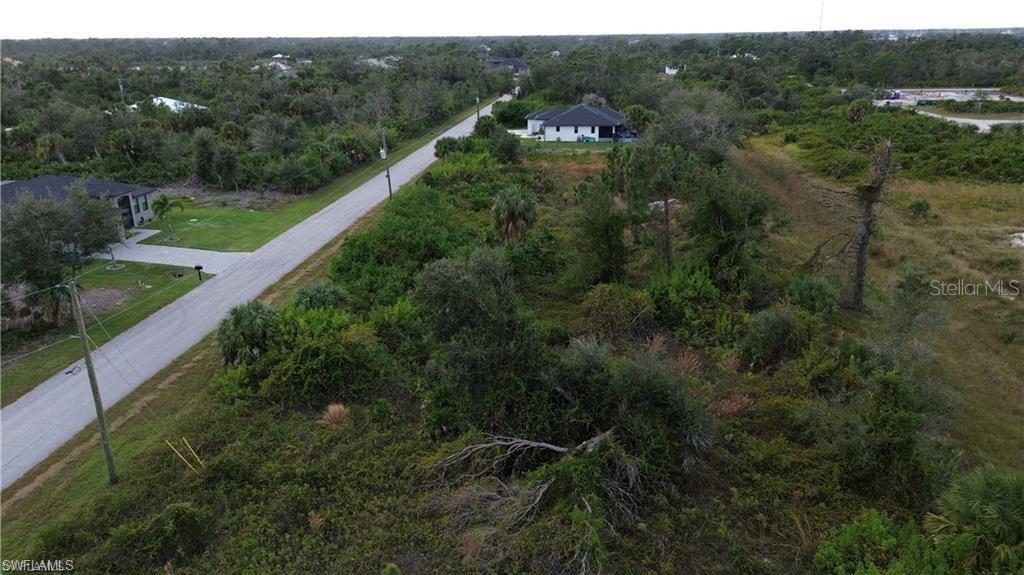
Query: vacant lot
973,347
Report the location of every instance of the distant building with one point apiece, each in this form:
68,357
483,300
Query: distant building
176,106
580,123
671,70
385,62
132,202
515,64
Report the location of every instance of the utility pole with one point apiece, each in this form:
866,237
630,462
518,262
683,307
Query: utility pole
478,108
76,308
384,156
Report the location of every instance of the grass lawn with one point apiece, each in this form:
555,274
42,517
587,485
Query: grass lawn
971,347
231,229
581,146
23,374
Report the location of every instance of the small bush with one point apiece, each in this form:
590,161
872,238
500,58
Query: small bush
346,365
919,209
247,332
612,310
175,535
773,334
321,295
874,543
813,294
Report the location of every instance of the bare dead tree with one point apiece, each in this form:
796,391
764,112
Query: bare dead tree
859,208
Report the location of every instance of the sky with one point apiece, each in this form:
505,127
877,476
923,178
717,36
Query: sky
308,18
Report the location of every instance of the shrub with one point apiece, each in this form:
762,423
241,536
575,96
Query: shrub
485,127
878,444
873,543
505,147
175,535
773,334
472,293
247,332
688,302
321,295
982,514
612,310
346,365
379,266
813,294
919,209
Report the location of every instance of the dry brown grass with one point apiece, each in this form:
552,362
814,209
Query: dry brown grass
316,521
335,414
688,363
976,348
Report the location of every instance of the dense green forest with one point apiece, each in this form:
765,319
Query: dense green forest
290,124
546,359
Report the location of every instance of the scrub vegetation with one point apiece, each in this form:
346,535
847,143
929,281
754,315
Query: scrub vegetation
635,358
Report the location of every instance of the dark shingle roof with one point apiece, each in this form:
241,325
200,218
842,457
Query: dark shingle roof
584,115
514,63
545,114
56,187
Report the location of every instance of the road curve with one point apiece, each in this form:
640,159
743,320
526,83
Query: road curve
42,420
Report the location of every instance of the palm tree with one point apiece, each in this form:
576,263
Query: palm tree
515,212
983,511
248,330
162,207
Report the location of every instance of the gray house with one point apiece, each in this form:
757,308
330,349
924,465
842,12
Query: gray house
133,203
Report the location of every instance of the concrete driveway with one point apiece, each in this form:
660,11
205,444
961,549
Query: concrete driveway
132,251
45,418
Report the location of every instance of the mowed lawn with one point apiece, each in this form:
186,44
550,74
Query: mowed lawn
235,229
25,368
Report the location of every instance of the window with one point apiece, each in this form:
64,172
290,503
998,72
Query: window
145,203
591,129
575,129
558,128
135,204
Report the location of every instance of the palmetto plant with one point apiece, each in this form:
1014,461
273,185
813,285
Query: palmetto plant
982,515
515,212
162,207
247,331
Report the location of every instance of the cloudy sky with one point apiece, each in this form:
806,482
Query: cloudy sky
297,18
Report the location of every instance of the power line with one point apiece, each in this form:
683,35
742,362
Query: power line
7,361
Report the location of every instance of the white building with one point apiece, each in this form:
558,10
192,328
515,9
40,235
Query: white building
580,123
176,106
671,71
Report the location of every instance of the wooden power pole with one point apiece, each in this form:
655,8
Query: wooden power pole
76,308
384,156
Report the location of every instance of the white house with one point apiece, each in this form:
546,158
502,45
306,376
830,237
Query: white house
671,70
176,106
580,123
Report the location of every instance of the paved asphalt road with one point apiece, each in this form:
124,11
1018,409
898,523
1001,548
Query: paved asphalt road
45,418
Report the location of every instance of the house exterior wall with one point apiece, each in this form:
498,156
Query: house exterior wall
534,126
141,207
572,133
